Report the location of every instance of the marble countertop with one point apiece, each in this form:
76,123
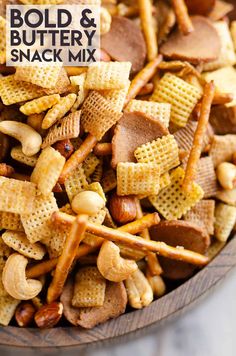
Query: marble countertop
209,329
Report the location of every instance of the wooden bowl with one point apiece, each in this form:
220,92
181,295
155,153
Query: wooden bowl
136,322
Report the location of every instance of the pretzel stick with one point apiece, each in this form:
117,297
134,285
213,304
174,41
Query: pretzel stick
83,250
222,98
147,89
142,78
195,152
5,170
78,157
136,242
147,24
152,260
103,149
182,16
67,257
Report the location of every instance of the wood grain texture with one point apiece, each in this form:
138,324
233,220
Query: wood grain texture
171,305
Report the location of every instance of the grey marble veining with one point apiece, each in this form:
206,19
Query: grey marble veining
209,329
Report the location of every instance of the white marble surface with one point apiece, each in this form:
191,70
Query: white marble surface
207,330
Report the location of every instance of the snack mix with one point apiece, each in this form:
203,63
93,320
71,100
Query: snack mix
118,177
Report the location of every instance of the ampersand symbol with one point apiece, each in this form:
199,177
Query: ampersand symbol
85,21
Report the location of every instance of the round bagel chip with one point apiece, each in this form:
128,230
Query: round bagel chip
125,42
180,233
201,45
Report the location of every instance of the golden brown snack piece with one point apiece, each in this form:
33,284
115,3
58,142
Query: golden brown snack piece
165,17
125,42
201,45
133,130
182,16
78,157
202,214
89,288
67,257
114,305
180,233
200,7
223,119
220,10
195,152
206,177
142,78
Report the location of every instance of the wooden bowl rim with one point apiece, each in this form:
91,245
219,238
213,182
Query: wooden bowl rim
159,311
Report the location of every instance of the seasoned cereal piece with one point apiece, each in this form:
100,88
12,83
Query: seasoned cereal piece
76,182
138,178
37,224
58,111
39,105
17,196
8,306
182,96
18,155
158,111
202,214
109,180
66,128
206,177
225,218
47,170
108,75
43,76
79,81
164,152
90,164
222,148
89,289
172,202
98,115
19,242
12,91
116,97
10,221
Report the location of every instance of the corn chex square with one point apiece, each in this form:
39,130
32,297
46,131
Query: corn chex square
182,96
172,202
8,306
10,221
89,289
108,75
164,152
18,155
37,224
76,182
158,111
17,196
90,164
19,242
137,178
12,91
43,76
116,97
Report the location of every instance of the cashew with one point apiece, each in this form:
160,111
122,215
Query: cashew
14,279
157,284
139,291
226,174
30,139
111,265
87,202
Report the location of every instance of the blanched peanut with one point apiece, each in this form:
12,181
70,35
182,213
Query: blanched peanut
226,174
87,202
